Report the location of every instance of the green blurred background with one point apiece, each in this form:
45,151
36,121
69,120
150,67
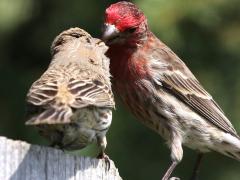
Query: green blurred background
204,33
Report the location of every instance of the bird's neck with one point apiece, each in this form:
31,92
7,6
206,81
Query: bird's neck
126,64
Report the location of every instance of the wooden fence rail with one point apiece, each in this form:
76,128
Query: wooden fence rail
22,161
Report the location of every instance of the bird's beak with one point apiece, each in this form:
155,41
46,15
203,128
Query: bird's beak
110,32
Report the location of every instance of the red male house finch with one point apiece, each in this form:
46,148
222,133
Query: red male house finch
161,91
71,103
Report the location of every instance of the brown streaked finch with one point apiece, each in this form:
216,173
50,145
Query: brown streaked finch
71,103
160,90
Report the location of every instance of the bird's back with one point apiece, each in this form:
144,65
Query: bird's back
67,101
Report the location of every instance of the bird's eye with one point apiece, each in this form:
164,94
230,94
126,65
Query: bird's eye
131,30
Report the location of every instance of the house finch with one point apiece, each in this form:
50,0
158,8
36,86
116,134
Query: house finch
71,103
161,91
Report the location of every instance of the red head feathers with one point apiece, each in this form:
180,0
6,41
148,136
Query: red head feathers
124,15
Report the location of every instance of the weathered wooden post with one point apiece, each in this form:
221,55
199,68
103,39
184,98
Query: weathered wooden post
22,161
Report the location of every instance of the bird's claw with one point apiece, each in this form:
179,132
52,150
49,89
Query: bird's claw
106,159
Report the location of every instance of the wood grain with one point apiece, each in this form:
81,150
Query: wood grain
22,161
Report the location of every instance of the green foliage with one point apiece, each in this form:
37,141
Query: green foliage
204,33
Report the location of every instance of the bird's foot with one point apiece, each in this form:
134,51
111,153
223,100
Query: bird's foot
106,159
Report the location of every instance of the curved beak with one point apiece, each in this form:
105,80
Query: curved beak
110,32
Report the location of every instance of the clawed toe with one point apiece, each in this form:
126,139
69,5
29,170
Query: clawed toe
106,159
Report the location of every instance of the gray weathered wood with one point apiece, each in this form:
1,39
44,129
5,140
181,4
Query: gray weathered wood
22,161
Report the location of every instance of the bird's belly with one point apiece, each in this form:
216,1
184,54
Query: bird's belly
166,114
144,107
87,124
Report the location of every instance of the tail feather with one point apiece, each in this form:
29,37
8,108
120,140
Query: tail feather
230,146
52,116
235,155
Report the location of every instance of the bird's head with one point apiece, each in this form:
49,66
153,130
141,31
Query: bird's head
68,36
124,21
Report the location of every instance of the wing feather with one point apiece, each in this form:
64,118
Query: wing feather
178,80
91,92
51,98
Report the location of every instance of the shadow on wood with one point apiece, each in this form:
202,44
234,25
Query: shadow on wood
22,161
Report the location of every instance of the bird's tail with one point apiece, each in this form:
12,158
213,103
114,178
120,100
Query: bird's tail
230,146
53,115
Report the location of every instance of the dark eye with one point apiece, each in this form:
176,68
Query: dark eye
131,30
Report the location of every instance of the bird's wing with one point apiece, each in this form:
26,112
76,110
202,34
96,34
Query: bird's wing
43,91
77,92
52,97
41,102
171,73
90,92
